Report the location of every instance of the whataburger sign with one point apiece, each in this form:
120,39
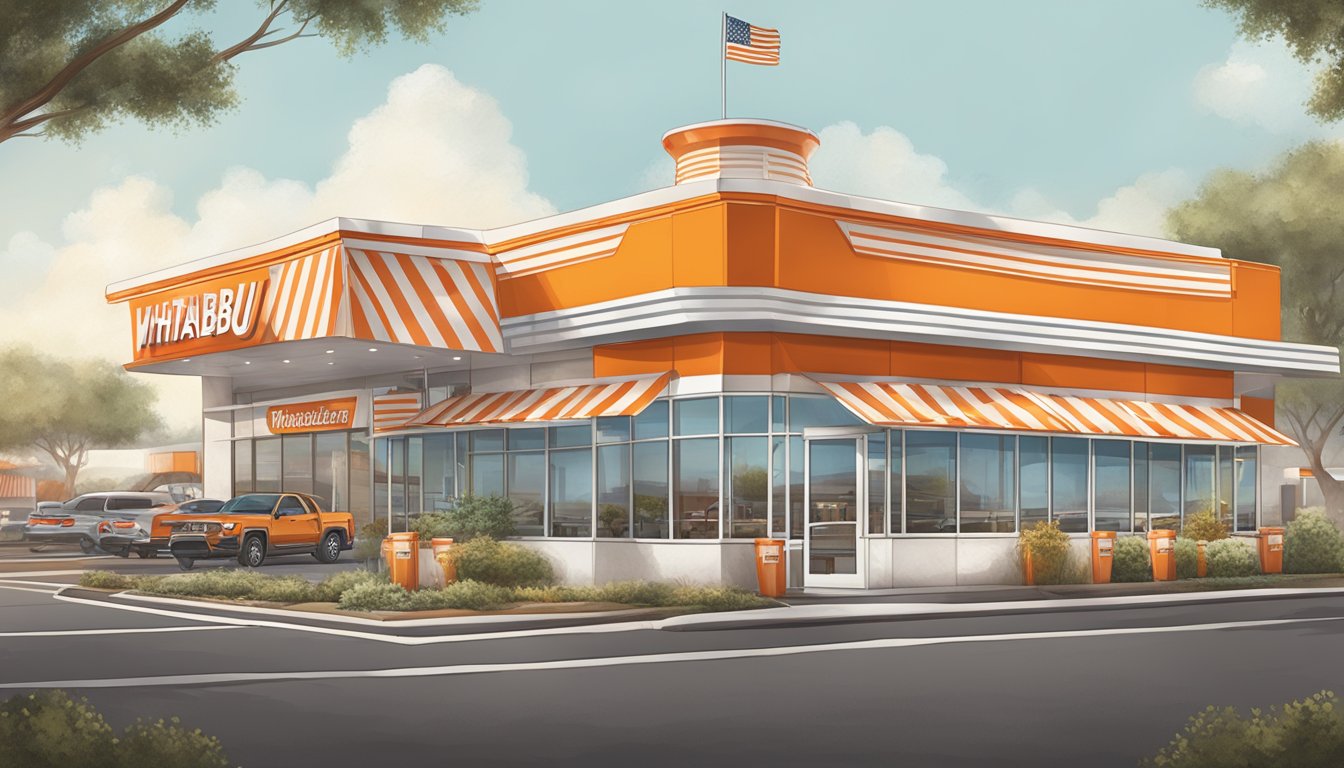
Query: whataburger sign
313,416
211,312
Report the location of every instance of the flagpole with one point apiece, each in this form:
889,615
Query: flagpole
723,64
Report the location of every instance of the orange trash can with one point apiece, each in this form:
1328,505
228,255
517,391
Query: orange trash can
405,568
1271,550
1201,564
1103,551
1162,548
386,550
442,546
771,570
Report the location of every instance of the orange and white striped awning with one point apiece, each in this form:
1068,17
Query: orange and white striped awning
625,397
17,487
928,405
393,409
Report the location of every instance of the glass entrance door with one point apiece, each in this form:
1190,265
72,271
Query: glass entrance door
833,555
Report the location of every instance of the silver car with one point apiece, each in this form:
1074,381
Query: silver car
126,533
77,520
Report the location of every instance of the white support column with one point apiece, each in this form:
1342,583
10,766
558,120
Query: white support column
216,429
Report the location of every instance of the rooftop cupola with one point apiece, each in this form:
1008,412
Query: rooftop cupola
741,149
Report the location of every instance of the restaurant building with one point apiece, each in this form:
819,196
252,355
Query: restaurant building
895,389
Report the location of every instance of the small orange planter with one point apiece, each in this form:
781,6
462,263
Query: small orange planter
1030,575
442,547
1270,543
771,570
1162,548
405,561
1103,551
1201,564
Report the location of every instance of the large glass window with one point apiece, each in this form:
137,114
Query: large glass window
1247,472
571,493
1068,483
531,439
1164,486
746,414
613,429
779,485
613,491
1201,479
331,468
527,491
1111,485
571,436
415,467
652,421
930,482
649,464
897,480
698,416
795,487
988,499
813,411
1141,498
440,473
242,467
487,474
1033,479
695,493
380,478
397,483
268,465
748,486
1226,485
361,505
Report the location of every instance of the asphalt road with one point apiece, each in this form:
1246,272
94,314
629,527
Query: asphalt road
1054,687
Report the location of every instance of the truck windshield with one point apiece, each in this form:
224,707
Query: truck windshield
250,504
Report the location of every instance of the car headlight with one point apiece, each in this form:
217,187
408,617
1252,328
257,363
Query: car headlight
228,527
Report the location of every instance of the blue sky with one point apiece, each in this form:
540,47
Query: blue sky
1094,112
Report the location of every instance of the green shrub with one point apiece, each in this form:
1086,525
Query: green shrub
1305,734
719,599
473,517
1231,557
1132,560
369,540
507,565
1312,544
375,596
1204,525
106,580
233,584
48,729
330,589
1050,554
1187,558
465,595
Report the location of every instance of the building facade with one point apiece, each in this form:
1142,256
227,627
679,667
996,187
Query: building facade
654,382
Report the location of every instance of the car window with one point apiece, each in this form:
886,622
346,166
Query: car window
250,504
92,504
129,502
290,505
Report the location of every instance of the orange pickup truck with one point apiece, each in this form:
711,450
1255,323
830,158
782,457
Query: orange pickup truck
252,526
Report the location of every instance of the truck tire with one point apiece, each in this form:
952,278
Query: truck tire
87,545
253,552
329,548
186,563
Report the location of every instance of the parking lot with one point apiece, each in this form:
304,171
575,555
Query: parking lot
64,563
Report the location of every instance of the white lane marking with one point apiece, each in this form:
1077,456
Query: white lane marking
28,589
23,574
122,631
620,661
629,626
54,584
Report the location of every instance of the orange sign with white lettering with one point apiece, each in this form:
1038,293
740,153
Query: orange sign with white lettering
313,416
208,316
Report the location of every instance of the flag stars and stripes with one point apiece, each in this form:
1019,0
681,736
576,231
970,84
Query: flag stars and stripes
750,44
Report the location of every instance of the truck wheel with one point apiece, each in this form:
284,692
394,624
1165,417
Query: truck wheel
123,552
87,546
186,563
253,553
145,554
329,549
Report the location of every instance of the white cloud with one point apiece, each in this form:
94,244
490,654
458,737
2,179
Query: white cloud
1139,208
1259,84
435,152
882,164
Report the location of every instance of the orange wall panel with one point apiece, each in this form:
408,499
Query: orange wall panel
1188,382
796,353
698,247
1082,372
1261,408
937,361
634,357
748,354
699,354
1255,305
751,244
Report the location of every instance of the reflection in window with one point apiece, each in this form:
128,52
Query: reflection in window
1033,478
1111,485
652,421
571,493
1247,472
487,474
1201,479
361,506
331,470
897,482
1164,486
242,467
649,465
930,482
1141,499
795,487
779,476
819,411
440,475
1068,483
877,484
531,439
268,465
613,491
1226,484
697,416
571,436
746,414
748,487
527,490
695,493
613,429
988,499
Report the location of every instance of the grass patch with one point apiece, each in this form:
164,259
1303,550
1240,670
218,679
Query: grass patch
234,584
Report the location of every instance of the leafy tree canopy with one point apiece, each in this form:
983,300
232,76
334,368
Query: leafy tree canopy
68,68
1315,31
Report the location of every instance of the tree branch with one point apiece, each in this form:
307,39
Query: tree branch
70,71
262,31
17,128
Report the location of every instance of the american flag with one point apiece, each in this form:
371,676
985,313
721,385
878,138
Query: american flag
750,44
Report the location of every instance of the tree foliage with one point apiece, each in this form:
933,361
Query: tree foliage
66,408
68,68
1291,216
1314,29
